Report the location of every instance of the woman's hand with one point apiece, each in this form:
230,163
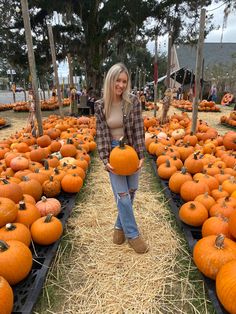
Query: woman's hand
140,163
109,168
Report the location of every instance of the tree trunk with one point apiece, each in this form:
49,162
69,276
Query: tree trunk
53,54
167,98
73,100
31,58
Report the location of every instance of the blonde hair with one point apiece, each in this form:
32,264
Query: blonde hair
108,87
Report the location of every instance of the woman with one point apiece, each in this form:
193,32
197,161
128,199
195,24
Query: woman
119,114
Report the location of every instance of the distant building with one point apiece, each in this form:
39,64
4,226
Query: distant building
219,63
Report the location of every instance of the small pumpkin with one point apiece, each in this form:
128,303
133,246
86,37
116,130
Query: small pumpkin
191,189
48,206
193,213
46,230
15,260
71,183
225,286
178,178
216,225
10,190
8,211
27,213
51,187
6,296
212,252
16,231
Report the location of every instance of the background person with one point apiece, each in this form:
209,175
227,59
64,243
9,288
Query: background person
119,114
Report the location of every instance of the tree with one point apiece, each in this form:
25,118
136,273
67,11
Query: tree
93,30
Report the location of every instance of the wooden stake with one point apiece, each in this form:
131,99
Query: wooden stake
53,53
32,66
198,69
155,78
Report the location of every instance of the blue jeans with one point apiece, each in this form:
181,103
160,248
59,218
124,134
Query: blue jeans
124,188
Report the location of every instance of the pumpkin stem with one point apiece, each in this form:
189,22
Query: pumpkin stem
219,242
46,164
122,142
22,205
10,227
43,198
56,170
48,218
3,246
25,178
192,206
5,181
184,170
167,163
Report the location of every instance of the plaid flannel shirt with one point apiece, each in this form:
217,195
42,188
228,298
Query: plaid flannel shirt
133,129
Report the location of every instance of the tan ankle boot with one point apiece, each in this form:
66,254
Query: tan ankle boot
118,236
139,245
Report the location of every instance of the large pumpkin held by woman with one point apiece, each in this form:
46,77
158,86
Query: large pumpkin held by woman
124,159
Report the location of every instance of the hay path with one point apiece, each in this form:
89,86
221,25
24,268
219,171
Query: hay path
96,276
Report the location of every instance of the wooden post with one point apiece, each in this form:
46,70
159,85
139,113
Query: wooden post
73,100
155,78
53,53
169,60
198,69
31,58
168,93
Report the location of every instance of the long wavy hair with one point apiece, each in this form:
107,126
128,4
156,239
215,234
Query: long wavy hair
109,84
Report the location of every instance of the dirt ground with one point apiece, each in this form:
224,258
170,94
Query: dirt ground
18,120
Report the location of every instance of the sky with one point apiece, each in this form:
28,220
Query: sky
213,36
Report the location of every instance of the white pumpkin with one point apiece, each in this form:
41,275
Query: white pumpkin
162,135
178,134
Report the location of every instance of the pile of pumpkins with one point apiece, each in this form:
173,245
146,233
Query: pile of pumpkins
204,105
201,168
229,120
4,107
33,172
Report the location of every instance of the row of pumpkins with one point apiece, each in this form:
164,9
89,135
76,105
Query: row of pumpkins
49,104
229,120
201,168
204,105
33,171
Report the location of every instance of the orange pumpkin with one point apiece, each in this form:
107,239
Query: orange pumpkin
8,211
15,260
225,286
124,159
6,296
71,183
46,230
16,231
212,252
193,213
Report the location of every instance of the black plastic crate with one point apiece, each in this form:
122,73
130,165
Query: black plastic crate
27,291
192,235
